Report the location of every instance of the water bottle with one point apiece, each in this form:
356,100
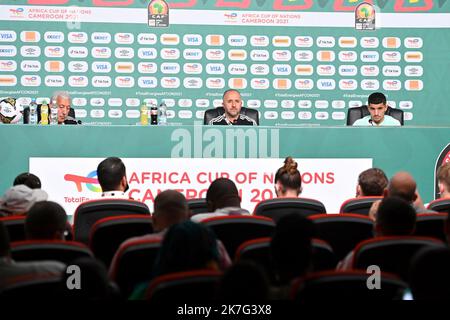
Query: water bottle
33,117
44,114
54,113
144,114
162,114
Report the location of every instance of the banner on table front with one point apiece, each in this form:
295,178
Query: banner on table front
70,181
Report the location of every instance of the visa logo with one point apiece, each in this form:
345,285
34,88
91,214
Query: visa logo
6,36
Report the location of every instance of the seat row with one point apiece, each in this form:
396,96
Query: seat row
244,237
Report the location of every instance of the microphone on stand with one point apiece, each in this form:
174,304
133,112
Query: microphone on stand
371,122
71,120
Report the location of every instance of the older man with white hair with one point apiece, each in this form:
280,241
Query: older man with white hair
62,100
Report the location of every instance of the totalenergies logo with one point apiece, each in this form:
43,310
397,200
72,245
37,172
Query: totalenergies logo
230,17
90,181
17,12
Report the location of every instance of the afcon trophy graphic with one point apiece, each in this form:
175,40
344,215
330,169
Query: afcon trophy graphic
365,16
158,13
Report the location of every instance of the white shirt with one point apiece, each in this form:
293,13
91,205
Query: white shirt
367,122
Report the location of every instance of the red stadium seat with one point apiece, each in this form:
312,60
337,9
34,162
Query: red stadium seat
59,250
88,213
279,207
359,205
133,264
107,234
431,225
440,205
190,286
342,231
391,254
16,228
234,230
346,286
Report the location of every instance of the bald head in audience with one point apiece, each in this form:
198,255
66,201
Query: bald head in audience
402,185
170,208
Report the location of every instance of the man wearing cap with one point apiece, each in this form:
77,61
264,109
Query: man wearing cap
18,199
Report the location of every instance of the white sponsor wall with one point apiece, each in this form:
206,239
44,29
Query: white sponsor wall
70,181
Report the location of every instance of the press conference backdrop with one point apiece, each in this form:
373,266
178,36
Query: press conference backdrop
188,158
298,62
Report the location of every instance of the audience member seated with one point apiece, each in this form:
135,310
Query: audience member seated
18,199
291,251
402,185
371,183
30,180
62,99
232,105
10,270
288,181
186,246
222,198
92,285
112,177
394,217
443,176
46,220
244,281
66,115
377,107
429,274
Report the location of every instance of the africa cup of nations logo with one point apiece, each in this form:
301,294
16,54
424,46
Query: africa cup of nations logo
365,17
158,13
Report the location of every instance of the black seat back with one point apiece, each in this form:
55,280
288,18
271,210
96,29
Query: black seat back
88,213
108,234
279,207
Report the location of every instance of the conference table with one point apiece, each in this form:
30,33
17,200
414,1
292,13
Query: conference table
393,149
